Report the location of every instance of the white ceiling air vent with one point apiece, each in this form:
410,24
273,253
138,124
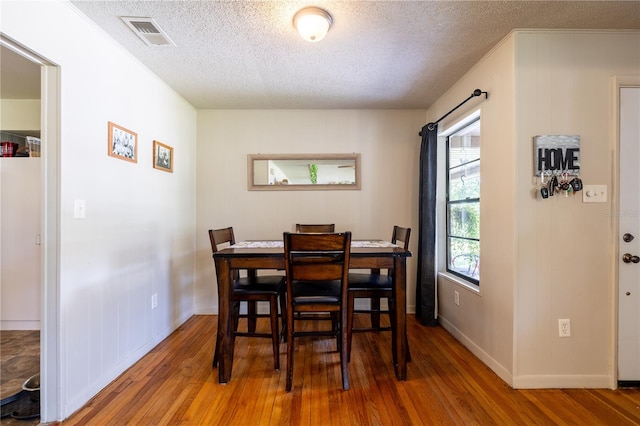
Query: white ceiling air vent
148,31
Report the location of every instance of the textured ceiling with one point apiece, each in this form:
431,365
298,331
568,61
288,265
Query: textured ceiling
378,54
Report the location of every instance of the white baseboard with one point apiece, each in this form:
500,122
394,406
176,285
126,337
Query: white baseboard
543,381
19,325
82,398
494,365
560,381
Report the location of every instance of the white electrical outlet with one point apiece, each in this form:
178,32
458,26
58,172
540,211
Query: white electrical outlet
456,297
564,328
154,301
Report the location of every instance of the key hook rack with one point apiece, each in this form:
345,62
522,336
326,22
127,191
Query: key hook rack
558,158
559,183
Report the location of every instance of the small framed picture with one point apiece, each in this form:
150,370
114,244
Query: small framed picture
122,143
162,157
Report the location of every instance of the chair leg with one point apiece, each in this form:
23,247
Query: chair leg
251,316
283,315
350,310
236,315
344,355
290,348
214,364
275,337
335,326
375,312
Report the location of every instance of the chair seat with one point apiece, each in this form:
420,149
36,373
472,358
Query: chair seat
314,292
260,285
370,282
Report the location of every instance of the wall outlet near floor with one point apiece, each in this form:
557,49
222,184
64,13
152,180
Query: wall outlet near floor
456,297
154,300
564,328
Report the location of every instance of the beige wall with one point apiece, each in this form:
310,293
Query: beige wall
389,144
20,114
484,320
20,210
138,236
543,260
564,86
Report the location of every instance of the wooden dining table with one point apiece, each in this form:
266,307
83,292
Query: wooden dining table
365,254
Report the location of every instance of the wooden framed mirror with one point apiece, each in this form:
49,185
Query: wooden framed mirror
297,172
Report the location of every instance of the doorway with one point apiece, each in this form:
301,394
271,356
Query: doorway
628,262
50,396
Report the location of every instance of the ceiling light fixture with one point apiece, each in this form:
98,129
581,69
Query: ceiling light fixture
312,23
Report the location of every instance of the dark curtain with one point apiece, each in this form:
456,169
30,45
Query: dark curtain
426,282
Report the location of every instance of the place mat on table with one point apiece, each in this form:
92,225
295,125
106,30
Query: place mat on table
279,244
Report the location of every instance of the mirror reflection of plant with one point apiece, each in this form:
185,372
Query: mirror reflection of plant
313,173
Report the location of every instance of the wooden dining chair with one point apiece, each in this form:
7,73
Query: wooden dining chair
317,267
329,227
375,286
252,289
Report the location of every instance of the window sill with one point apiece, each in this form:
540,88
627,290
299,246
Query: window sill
473,288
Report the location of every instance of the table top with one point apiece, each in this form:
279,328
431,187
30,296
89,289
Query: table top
276,248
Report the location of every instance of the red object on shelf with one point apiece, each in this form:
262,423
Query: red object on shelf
9,149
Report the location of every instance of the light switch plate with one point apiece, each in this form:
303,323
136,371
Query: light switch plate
79,209
594,194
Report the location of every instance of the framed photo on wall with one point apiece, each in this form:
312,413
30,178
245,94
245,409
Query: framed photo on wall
162,157
122,143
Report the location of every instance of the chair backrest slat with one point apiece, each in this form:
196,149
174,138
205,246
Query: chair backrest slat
321,257
225,236
401,234
307,228
221,236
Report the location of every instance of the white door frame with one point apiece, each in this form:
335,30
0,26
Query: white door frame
50,339
616,83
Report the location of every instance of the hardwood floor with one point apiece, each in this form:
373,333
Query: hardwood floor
175,385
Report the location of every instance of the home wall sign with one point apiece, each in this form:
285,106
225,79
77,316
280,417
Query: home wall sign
557,154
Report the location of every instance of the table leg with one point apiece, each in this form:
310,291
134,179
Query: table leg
225,321
400,299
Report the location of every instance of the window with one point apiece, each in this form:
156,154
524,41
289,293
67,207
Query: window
463,202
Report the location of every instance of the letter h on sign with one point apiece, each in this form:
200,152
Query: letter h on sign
557,154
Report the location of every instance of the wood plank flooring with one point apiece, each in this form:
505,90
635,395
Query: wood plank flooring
175,385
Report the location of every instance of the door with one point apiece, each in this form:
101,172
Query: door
629,238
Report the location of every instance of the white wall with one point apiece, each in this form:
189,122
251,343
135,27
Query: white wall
389,144
137,238
543,260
